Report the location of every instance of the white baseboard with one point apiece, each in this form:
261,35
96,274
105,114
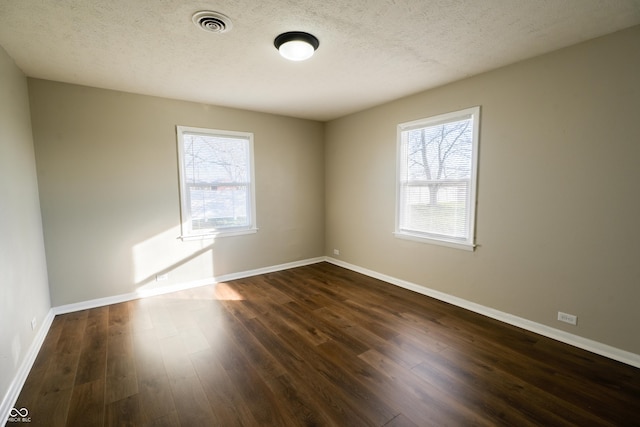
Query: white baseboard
15,387
143,293
538,328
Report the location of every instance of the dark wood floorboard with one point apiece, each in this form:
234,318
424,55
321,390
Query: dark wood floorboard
315,346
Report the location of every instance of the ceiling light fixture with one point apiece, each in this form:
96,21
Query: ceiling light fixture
296,45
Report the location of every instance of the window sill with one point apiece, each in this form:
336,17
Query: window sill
216,235
433,241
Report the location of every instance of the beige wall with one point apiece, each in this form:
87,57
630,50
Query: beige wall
24,293
107,167
558,195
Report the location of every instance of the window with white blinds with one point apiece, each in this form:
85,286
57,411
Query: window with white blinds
437,170
217,194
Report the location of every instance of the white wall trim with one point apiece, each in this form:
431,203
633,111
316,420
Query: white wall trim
16,385
538,328
143,293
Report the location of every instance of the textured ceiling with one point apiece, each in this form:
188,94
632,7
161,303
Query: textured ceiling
371,51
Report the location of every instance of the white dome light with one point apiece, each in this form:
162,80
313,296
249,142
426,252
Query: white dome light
296,50
296,45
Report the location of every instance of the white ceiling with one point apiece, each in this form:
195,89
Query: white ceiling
371,51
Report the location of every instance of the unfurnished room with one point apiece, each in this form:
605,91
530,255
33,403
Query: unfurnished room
337,213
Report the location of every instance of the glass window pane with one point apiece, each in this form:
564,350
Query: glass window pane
436,177
218,206
215,172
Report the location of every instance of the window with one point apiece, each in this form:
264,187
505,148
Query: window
437,169
217,194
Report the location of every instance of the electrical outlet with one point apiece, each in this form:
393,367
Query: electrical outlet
567,318
162,277
336,251
33,324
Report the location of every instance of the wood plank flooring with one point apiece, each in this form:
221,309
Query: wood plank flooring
314,346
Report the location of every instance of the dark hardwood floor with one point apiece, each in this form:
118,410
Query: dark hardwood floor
315,346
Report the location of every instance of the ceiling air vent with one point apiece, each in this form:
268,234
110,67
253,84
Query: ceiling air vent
213,22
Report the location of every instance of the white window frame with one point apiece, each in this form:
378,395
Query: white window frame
187,232
438,239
